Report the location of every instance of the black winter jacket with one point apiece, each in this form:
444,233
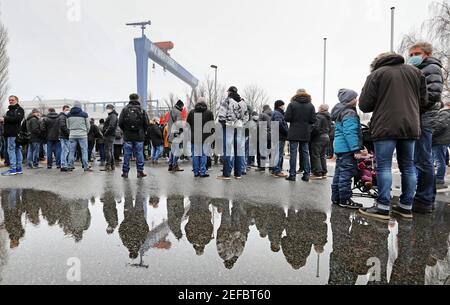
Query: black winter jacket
301,114
278,116
201,109
111,122
156,135
94,133
13,119
441,135
50,126
34,129
64,132
322,125
133,135
396,94
432,69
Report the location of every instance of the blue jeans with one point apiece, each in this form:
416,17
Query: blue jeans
14,154
346,169
53,148
84,152
130,149
199,159
280,157
156,152
439,152
234,152
384,151
33,154
304,150
426,178
65,150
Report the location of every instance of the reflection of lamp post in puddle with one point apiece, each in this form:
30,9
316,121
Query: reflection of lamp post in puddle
318,265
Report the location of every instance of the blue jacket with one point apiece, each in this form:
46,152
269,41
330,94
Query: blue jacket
348,135
278,116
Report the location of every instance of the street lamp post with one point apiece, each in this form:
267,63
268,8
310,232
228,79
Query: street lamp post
392,27
215,82
324,69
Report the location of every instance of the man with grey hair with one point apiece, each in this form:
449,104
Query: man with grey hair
421,57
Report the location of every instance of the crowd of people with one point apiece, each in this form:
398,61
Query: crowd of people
409,116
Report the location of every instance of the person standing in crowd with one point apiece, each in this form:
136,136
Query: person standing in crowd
94,134
156,138
118,145
12,122
133,121
64,134
347,142
301,114
50,126
109,133
264,128
396,93
232,115
320,140
283,129
79,126
175,117
441,141
421,56
101,144
35,132
197,119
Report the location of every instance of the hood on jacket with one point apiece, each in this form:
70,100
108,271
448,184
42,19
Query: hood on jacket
113,112
387,59
302,98
431,61
201,107
134,103
347,95
31,116
77,112
341,110
326,114
13,107
52,115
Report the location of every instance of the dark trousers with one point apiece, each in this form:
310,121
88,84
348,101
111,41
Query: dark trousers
117,151
109,151
346,169
319,147
423,160
102,153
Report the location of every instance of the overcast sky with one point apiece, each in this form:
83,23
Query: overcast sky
277,45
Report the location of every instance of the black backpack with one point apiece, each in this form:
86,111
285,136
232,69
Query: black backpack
23,137
133,118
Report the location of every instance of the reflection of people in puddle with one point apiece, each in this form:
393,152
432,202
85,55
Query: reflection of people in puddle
175,212
32,206
275,226
13,208
52,207
3,244
232,233
110,211
134,228
356,242
76,218
154,202
422,243
199,228
303,230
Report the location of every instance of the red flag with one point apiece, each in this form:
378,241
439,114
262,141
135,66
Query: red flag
184,114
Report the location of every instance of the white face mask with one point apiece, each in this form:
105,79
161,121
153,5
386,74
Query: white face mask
66,112
109,110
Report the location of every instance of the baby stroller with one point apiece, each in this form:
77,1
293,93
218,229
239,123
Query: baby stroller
365,181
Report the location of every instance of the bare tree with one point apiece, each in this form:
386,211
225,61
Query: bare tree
435,30
256,97
4,63
207,90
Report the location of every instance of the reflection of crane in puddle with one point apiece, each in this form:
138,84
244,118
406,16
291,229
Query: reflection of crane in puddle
156,239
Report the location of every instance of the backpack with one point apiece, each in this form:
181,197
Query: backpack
133,118
23,136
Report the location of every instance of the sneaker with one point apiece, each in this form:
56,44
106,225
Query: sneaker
238,178
224,178
291,178
335,202
178,169
170,168
350,204
196,175
402,212
49,167
19,171
324,177
316,177
64,170
141,175
125,175
305,179
375,212
11,172
280,175
204,176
